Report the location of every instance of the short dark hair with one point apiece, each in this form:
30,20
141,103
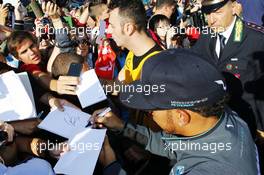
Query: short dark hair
62,62
16,38
154,21
95,8
132,9
97,2
215,109
162,3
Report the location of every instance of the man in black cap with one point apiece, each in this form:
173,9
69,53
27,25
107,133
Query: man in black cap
187,101
237,48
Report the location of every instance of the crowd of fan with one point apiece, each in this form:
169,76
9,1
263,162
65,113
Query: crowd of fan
115,38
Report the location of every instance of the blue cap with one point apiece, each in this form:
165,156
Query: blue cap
175,78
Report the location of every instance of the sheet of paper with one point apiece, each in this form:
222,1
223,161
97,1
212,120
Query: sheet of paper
85,148
66,123
90,90
26,82
13,2
15,103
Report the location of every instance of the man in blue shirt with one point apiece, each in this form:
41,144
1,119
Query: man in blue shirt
187,101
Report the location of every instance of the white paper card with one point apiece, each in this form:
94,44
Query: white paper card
15,103
90,90
85,148
13,2
66,123
26,82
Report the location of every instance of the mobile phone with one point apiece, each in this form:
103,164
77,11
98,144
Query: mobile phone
75,69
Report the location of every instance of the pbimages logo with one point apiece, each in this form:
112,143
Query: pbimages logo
145,89
203,30
50,30
197,146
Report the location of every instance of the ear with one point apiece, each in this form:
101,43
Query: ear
184,117
233,8
236,8
129,28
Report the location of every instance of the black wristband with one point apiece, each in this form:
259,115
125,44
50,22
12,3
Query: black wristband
120,132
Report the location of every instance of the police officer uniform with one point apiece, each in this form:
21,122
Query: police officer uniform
242,61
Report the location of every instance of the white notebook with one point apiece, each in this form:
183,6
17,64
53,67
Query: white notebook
85,148
15,102
66,123
90,90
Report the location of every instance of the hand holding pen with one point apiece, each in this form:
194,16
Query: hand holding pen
106,118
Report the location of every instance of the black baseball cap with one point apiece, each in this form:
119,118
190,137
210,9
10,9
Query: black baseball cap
209,6
175,78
